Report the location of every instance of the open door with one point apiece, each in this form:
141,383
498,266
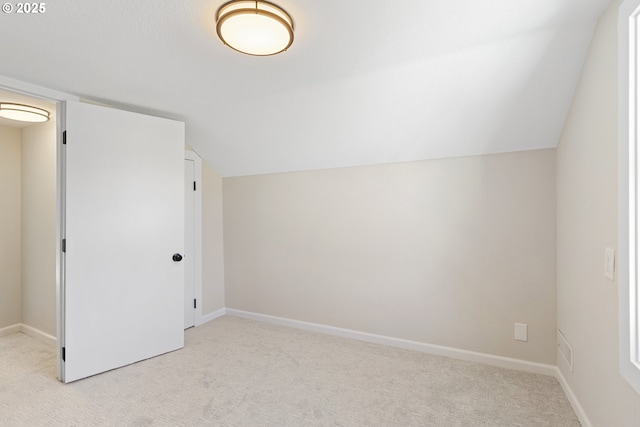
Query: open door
123,221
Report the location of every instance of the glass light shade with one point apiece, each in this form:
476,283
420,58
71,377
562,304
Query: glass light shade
254,27
23,113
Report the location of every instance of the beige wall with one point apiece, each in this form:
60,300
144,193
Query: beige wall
212,242
39,227
448,252
587,223
28,226
10,292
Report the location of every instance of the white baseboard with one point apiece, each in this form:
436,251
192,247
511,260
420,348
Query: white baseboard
487,359
573,400
211,316
38,334
10,330
28,330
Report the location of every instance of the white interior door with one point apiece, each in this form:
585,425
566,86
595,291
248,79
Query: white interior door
124,220
189,243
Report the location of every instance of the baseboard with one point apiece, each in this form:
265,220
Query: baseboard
28,330
211,316
573,400
38,334
472,356
10,330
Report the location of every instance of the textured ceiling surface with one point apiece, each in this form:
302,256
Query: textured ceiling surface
364,82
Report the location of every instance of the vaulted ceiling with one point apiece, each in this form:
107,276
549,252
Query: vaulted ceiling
365,82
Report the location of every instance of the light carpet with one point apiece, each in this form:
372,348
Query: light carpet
237,372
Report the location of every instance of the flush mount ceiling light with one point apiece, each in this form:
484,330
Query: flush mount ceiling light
23,113
254,27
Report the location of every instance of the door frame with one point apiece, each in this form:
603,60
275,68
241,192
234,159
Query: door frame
189,154
56,97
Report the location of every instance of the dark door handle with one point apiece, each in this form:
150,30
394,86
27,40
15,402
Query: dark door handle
177,257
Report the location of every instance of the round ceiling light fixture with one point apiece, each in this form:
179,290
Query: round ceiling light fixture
23,113
257,28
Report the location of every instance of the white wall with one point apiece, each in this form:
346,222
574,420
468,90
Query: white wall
587,223
449,252
39,227
10,252
213,292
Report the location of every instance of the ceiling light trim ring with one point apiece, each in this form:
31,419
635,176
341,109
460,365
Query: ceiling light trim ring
222,17
271,15
25,109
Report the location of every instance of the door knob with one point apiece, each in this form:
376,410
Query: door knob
177,257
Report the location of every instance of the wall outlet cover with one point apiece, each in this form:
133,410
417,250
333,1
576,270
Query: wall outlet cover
609,263
521,332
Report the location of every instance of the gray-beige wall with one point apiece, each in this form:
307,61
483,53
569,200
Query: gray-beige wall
213,292
39,226
448,252
587,223
10,240
28,227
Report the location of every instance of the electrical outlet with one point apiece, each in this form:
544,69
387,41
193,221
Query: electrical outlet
521,333
609,263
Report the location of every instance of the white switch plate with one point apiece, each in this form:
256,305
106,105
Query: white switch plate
609,263
521,332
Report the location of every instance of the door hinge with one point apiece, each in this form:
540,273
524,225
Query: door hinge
194,303
64,245
194,186
64,137
63,354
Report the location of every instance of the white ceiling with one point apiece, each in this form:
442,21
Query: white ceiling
364,82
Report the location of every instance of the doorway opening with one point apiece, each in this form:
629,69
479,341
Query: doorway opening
58,304
28,222
193,240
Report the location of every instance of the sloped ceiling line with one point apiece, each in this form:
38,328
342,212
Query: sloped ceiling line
365,82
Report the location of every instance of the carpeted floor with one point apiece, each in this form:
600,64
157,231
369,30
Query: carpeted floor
236,372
